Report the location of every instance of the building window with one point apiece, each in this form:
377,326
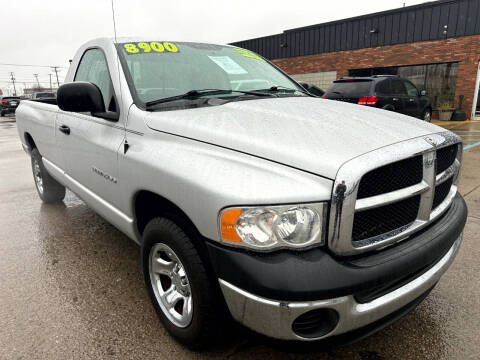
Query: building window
437,79
321,79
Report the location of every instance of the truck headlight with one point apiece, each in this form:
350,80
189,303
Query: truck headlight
271,227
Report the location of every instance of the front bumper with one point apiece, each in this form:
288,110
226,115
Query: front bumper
275,318
267,292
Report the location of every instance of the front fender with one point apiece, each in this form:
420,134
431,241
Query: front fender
201,179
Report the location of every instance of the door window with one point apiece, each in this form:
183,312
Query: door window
93,68
411,89
384,88
398,87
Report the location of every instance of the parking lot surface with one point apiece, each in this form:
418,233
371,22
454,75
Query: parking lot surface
71,285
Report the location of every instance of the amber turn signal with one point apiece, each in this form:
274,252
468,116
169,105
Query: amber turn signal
228,221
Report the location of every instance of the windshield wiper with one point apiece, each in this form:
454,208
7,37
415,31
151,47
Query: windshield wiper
195,94
278,88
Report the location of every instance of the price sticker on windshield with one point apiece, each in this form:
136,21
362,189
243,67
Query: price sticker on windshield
150,47
248,54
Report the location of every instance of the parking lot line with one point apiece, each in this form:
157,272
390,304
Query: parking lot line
471,146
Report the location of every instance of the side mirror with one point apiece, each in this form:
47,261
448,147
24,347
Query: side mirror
312,89
80,97
423,92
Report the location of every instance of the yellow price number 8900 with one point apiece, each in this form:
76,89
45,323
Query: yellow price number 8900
147,47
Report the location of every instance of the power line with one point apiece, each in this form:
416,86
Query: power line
26,82
24,78
47,66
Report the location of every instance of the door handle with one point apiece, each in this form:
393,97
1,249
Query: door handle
412,100
395,99
64,129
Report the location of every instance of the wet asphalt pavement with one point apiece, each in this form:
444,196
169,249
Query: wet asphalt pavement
71,285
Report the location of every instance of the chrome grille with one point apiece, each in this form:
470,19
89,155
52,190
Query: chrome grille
441,192
391,177
373,208
383,219
445,157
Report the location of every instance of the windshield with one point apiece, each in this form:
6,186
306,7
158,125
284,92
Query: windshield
350,88
161,70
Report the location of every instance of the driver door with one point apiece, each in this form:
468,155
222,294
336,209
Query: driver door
89,144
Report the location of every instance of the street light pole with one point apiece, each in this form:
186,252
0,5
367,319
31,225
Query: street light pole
50,76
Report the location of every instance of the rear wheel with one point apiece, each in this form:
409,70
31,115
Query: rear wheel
388,108
49,190
176,279
2,113
427,115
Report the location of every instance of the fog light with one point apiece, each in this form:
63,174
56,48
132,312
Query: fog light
315,323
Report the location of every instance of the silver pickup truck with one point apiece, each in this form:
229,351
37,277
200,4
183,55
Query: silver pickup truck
302,218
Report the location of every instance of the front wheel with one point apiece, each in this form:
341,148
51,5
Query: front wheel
178,285
49,190
427,115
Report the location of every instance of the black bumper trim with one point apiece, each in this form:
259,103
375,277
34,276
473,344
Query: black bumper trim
316,274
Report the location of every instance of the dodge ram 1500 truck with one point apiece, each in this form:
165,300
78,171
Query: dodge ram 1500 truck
303,218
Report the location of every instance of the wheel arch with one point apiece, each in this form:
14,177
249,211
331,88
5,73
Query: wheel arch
148,205
29,141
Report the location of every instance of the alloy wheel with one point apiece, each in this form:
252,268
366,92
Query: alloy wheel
37,174
170,285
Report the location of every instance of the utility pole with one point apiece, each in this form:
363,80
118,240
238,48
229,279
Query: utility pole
13,81
36,77
56,73
24,88
50,76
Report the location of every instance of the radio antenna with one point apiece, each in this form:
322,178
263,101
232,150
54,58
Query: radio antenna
114,25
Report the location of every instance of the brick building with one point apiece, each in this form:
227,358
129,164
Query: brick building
436,45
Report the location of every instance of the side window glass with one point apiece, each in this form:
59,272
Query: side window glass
384,87
398,87
411,89
93,68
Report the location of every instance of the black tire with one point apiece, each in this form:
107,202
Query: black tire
426,113
208,317
50,191
2,113
388,108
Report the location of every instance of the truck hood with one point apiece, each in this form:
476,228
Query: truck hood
310,134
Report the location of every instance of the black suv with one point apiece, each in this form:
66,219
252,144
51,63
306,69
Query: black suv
382,91
8,104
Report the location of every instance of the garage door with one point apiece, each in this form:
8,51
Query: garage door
321,79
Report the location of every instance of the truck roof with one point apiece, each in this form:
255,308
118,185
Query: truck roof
124,39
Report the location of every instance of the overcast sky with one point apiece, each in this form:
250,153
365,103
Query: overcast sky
48,32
